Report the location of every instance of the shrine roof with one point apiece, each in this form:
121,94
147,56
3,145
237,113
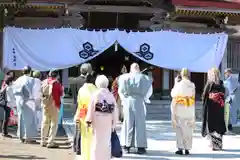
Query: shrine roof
220,4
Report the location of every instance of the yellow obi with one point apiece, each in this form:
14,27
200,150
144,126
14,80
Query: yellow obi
186,101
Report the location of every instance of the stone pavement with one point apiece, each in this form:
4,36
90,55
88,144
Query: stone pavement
161,146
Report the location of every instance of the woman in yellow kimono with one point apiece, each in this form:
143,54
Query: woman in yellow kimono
84,96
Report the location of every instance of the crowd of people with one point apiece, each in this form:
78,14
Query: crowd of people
27,93
99,105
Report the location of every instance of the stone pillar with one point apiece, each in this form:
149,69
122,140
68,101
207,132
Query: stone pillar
65,78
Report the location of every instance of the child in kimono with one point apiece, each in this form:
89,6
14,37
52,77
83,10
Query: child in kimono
183,112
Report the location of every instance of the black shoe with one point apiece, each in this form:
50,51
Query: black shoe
52,145
179,152
187,152
7,135
22,140
141,151
126,149
78,153
230,128
121,120
28,141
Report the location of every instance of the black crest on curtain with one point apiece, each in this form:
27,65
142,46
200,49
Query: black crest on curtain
14,57
87,51
144,52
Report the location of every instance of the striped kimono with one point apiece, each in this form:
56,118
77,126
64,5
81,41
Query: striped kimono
183,112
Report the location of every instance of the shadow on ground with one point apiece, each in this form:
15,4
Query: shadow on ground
165,131
163,155
21,157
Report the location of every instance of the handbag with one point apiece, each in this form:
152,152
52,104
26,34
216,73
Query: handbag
116,149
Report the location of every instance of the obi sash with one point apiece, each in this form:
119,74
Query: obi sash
185,100
217,98
104,107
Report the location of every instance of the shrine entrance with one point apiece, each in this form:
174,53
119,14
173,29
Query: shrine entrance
111,62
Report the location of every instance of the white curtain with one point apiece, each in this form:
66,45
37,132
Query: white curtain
173,50
53,48
66,47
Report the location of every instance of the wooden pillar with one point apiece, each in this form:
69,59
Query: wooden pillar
157,79
223,63
171,79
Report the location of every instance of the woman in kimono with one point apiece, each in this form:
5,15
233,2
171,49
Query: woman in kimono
84,96
213,96
102,116
183,112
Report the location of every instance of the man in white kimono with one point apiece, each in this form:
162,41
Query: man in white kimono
183,111
23,91
232,84
133,88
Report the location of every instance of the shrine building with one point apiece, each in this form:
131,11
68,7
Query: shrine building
191,16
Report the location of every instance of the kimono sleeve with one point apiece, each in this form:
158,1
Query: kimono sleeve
121,86
115,116
149,94
206,91
174,90
91,109
193,90
76,118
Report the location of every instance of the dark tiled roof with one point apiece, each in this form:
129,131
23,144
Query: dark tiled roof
221,4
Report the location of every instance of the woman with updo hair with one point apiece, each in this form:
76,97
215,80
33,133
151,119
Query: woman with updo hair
183,111
102,118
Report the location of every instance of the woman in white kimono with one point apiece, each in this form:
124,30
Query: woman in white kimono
102,116
183,112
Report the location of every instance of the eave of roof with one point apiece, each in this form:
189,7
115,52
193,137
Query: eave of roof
34,5
207,4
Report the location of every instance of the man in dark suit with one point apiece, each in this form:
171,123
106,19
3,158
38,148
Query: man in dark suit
76,84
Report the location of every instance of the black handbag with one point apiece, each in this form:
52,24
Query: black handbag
116,149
